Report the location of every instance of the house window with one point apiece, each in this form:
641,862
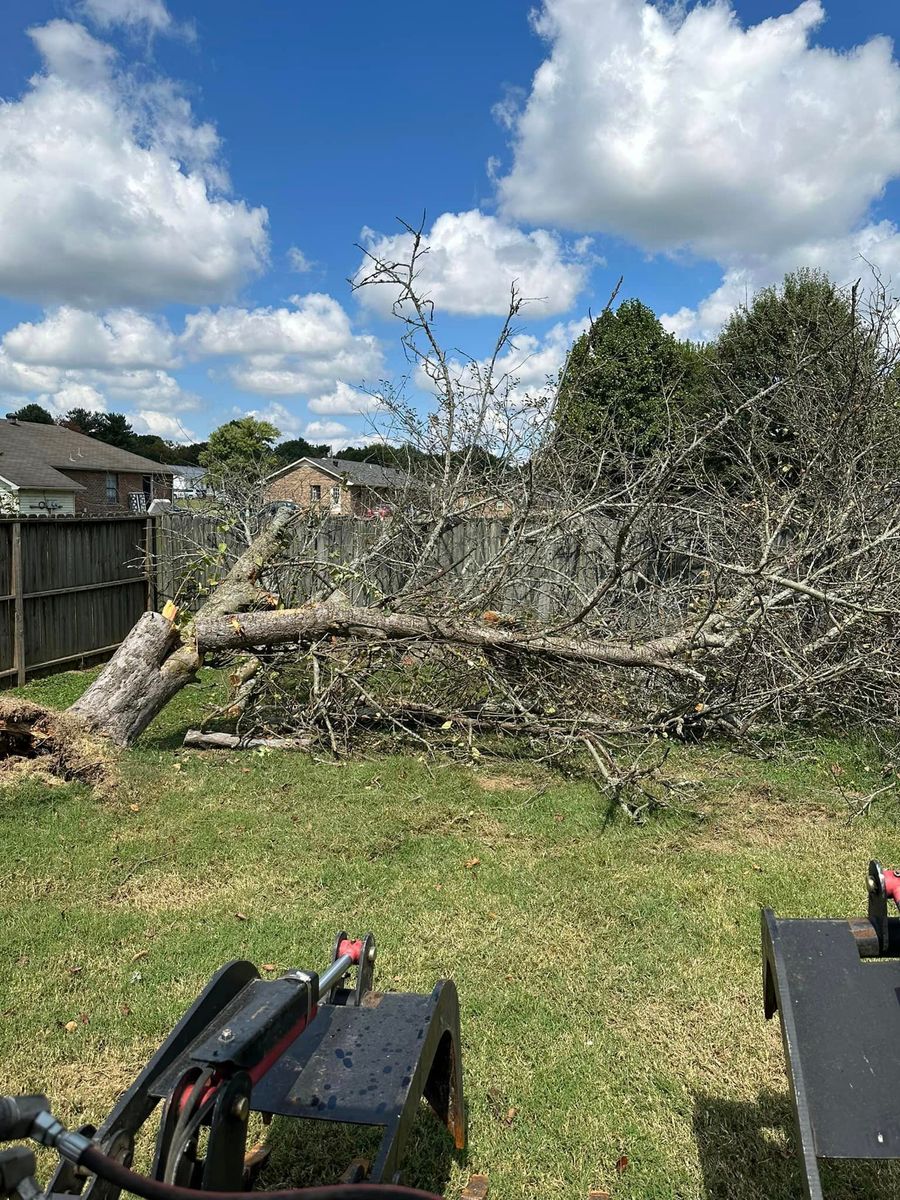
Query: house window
112,488
336,498
315,493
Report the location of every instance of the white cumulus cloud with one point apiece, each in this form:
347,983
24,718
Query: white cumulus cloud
73,395
164,425
315,324
677,127
22,378
72,337
151,15
473,258
75,358
856,256
298,261
326,430
346,400
111,193
686,132
305,350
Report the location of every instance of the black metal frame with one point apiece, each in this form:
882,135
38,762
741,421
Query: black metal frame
407,1049
836,988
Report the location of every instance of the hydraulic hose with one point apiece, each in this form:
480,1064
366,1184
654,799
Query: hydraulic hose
153,1189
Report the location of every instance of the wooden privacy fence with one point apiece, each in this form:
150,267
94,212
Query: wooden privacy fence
554,577
70,589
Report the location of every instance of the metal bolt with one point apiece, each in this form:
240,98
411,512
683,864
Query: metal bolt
241,1108
371,954
227,1035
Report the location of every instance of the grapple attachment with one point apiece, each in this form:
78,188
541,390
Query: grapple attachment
836,987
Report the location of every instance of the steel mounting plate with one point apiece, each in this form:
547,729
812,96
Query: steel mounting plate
840,1022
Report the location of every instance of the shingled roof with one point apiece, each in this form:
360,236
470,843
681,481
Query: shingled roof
357,474
39,456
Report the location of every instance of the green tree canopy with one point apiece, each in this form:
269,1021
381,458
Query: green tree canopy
812,339
112,428
383,454
289,451
627,378
82,420
152,446
35,413
783,329
239,454
187,455
115,429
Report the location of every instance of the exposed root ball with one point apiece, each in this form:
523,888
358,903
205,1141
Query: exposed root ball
37,740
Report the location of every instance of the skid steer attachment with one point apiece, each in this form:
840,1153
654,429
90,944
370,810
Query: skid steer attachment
836,987
304,1046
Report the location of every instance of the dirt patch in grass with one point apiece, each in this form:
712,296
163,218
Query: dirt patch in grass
504,783
14,769
161,891
756,816
92,1083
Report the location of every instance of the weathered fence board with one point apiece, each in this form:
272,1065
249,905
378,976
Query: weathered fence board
553,577
70,589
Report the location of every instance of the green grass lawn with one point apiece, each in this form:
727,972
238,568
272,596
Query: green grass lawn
608,973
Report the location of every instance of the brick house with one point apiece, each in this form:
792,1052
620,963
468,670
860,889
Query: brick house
338,486
46,470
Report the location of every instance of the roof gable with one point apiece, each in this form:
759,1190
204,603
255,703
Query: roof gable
38,456
357,474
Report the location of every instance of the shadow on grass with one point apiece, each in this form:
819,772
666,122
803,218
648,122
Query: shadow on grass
165,739
748,1150
306,1153
194,707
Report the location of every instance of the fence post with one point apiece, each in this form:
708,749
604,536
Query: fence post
18,585
150,560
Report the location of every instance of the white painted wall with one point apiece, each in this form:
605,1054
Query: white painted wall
36,503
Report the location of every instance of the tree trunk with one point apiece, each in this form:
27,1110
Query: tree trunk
161,655
233,632
147,670
158,657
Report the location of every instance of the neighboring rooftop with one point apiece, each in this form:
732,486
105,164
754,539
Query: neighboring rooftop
357,474
186,472
40,456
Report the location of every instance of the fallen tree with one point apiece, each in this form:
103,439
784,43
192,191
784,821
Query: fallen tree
156,660
743,569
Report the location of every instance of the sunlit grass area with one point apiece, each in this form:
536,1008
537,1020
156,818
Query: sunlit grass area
609,974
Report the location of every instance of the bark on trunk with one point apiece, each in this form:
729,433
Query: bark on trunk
243,632
158,657
197,739
138,681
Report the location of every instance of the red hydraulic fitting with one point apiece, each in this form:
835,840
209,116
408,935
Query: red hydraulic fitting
354,949
892,884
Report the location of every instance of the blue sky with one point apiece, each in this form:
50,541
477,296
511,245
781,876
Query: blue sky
166,165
